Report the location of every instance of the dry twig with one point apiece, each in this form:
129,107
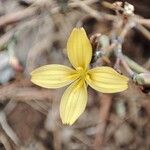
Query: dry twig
17,16
105,106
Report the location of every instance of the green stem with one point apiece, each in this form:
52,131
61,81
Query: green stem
142,79
133,65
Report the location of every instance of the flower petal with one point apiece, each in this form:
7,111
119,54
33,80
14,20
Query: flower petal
79,48
106,80
53,76
73,102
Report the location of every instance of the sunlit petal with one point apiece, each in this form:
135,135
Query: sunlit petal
73,102
53,76
79,48
106,80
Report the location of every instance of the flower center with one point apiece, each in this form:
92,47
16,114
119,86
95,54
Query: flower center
82,72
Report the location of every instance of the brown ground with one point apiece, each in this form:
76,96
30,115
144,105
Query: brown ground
29,117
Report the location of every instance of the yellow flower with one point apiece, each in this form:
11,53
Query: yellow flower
74,99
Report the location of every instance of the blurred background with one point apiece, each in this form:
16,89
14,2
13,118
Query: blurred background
34,33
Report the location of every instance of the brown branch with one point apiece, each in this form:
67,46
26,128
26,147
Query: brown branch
8,130
5,38
144,31
5,140
17,16
94,13
138,19
106,101
32,10
19,92
143,21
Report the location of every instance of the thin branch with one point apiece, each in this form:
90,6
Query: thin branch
143,30
5,38
106,101
18,93
8,129
126,67
136,67
142,79
4,140
88,9
142,21
138,19
96,14
17,16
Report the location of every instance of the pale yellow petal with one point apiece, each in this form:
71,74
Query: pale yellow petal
106,80
79,48
73,102
53,76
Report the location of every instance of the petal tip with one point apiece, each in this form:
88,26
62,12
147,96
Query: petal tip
31,73
68,123
82,29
